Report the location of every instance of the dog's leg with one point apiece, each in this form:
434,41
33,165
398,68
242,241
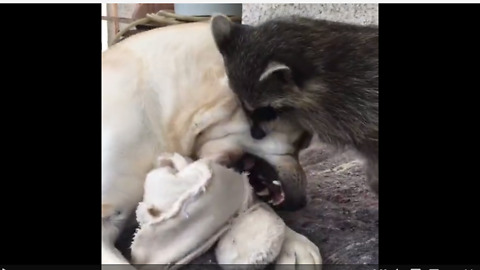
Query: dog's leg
117,207
125,162
255,239
298,253
260,236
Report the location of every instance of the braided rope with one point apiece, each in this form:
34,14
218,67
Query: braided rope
161,19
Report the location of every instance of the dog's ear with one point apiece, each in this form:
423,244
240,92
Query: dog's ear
222,28
279,70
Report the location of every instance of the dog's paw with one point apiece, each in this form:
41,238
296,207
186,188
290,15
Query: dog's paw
298,253
254,240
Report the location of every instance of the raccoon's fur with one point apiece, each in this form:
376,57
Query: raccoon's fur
320,73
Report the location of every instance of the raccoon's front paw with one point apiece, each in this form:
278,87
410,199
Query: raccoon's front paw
298,253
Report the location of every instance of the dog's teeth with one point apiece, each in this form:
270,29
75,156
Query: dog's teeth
276,182
264,192
277,203
280,200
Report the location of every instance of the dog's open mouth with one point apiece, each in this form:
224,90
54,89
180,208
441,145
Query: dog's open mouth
263,178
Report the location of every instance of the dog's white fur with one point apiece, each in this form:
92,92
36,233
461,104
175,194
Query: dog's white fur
165,90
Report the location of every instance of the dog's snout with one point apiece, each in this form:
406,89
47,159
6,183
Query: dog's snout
257,132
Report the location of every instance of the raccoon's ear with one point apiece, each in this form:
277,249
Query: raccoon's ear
280,70
221,29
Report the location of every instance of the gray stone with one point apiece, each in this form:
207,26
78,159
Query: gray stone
352,13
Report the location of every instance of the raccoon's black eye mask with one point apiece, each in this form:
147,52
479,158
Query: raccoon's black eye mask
262,114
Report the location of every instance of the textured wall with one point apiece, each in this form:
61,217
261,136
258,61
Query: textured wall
351,13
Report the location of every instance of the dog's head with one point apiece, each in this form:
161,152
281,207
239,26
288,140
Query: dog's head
274,167
272,162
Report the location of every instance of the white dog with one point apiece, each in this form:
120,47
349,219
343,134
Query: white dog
165,90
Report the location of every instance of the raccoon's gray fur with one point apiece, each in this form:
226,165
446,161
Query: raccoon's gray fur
321,74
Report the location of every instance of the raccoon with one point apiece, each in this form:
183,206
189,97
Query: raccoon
319,73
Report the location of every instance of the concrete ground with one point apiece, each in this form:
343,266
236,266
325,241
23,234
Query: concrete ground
342,214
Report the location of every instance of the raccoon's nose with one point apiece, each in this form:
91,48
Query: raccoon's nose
257,133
